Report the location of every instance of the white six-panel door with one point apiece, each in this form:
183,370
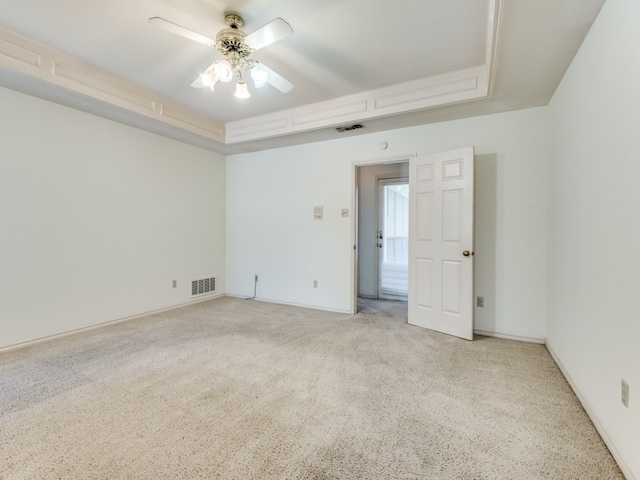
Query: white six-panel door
441,242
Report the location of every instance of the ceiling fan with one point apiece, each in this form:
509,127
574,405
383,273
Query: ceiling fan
236,47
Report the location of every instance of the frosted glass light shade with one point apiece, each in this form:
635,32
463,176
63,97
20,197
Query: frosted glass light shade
223,70
209,79
241,90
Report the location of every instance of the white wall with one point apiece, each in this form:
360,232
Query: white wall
270,230
594,225
97,219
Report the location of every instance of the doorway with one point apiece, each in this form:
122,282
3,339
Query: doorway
378,259
440,263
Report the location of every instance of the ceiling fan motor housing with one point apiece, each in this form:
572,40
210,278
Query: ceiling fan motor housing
230,42
233,20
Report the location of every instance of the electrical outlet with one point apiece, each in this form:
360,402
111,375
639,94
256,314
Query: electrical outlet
625,394
315,284
480,302
256,277
174,284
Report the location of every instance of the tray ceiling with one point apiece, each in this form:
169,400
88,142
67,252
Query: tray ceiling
340,53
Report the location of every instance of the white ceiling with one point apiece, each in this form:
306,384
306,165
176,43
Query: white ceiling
338,48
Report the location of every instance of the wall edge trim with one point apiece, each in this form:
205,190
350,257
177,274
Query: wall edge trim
291,304
35,341
594,419
517,338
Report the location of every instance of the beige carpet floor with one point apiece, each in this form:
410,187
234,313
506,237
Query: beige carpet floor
237,389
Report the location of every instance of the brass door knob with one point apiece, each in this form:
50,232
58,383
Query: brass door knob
466,253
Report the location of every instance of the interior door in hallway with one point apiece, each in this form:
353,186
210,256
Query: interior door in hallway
393,238
441,242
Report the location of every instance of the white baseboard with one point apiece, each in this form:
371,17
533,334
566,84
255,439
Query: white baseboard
587,408
104,324
292,304
484,333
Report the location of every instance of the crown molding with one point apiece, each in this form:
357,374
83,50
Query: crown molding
25,57
449,88
37,61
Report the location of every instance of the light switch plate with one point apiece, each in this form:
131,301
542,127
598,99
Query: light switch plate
318,212
344,212
625,394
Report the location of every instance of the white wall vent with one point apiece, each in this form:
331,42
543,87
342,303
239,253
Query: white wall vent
203,285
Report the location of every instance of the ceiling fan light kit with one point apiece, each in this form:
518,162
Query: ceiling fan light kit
223,70
236,47
241,89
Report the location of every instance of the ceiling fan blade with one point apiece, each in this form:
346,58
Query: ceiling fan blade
179,30
198,83
277,81
272,32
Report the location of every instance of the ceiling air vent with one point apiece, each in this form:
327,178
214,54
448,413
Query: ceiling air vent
202,286
348,128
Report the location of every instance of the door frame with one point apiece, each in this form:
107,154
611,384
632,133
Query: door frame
354,217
